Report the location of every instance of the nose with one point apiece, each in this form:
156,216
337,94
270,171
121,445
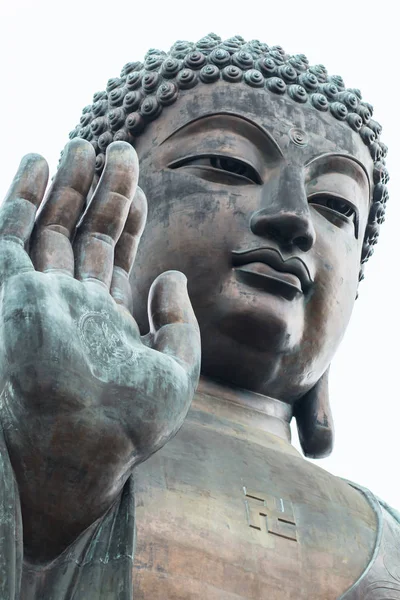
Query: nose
285,216
286,228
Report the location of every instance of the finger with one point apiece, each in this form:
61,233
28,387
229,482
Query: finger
126,249
173,322
17,214
106,215
51,241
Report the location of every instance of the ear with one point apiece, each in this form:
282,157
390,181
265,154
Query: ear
314,420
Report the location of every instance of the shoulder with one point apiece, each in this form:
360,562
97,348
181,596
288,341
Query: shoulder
381,578
389,510
377,503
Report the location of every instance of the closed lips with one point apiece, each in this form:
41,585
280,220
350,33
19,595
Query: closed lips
256,258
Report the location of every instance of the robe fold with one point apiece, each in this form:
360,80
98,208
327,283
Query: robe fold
97,565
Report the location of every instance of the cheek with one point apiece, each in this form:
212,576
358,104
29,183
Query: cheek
339,255
193,225
329,310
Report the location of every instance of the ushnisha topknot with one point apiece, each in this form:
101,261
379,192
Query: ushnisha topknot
122,111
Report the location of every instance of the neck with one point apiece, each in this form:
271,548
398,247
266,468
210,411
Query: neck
270,415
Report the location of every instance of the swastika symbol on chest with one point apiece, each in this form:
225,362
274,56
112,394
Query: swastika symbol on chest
270,514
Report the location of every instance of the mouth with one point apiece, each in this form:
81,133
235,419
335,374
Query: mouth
265,268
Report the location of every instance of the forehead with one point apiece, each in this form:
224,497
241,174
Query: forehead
277,115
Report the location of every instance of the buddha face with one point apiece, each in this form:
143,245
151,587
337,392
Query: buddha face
262,203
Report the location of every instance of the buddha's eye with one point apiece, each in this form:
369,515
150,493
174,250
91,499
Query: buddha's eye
334,203
222,169
338,210
232,165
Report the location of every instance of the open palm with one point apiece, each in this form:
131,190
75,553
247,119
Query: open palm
84,397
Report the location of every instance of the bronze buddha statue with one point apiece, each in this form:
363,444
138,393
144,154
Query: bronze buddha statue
266,187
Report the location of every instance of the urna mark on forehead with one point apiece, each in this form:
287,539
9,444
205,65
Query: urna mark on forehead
144,90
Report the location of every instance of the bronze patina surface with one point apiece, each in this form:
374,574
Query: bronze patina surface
266,187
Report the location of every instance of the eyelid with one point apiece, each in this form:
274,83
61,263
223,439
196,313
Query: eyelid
181,161
340,197
319,162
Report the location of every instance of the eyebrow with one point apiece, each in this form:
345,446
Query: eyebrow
325,159
262,140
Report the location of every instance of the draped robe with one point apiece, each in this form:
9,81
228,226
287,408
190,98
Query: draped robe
98,565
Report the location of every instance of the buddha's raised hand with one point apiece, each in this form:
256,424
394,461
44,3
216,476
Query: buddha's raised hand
83,397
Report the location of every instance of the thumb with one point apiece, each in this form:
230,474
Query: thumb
173,323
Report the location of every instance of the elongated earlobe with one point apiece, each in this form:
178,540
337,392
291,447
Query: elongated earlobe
314,420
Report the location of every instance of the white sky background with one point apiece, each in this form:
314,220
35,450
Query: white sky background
55,55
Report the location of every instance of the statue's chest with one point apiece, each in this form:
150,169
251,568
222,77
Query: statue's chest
221,517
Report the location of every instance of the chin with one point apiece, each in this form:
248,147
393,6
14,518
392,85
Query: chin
268,334
255,321
244,351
